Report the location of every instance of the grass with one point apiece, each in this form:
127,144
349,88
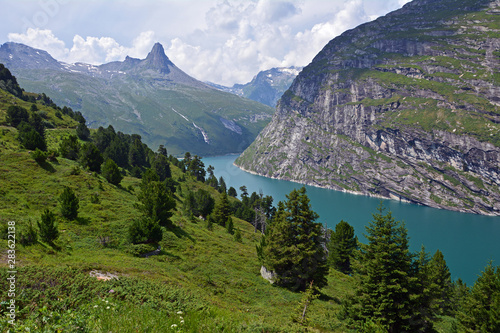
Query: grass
206,274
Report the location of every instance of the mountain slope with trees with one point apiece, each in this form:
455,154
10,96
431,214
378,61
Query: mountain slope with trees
151,97
164,246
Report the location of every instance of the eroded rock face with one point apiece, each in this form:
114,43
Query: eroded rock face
405,107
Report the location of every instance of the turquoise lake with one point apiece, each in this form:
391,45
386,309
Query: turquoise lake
468,241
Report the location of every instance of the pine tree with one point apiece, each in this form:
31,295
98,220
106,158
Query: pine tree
293,245
162,167
223,186
232,192
69,147
222,210
47,226
384,268
341,246
111,172
69,204
156,203
90,157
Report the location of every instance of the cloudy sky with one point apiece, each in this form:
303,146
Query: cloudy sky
222,41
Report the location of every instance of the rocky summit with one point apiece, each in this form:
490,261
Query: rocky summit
403,107
151,97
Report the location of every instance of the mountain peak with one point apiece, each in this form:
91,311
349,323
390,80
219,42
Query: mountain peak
157,59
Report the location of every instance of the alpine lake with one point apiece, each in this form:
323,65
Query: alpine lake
468,241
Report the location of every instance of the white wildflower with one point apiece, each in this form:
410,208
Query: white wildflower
179,312
173,326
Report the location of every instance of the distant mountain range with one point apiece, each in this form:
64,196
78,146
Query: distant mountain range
405,107
149,96
266,87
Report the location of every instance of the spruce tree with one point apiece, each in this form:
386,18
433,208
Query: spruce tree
69,204
480,309
385,273
341,246
47,226
222,210
441,286
293,245
156,203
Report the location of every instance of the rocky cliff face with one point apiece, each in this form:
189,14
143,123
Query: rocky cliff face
404,107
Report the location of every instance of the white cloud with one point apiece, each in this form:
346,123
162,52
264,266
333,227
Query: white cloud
41,39
91,50
223,41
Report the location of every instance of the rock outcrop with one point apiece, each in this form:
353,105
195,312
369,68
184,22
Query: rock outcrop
404,107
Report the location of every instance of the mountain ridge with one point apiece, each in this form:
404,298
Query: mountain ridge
266,87
150,96
404,107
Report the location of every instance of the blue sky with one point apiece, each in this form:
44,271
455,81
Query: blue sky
223,41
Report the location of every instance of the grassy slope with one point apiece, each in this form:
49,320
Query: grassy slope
222,274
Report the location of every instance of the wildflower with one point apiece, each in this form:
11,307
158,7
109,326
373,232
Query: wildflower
107,307
173,326
179,312
107,301
95,306
182,321
111,291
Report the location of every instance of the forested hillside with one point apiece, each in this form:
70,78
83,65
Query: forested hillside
110,235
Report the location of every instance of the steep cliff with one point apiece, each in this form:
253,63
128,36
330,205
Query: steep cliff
404,107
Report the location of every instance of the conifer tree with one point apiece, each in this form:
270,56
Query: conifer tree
230,225
90,157
441,287
47,226
69,147
69,203
222,210
231,192
293,245
111,172
223,187
341,246
156,203
480,309
161,166
385,272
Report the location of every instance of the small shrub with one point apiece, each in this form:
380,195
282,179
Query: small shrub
69,204
29,235
48,227
39,156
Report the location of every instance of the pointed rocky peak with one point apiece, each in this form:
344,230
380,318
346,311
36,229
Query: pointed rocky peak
157,59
